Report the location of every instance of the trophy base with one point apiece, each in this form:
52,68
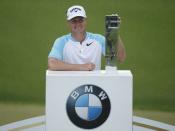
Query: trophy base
111,69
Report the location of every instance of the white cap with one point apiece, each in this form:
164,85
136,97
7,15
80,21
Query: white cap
75,11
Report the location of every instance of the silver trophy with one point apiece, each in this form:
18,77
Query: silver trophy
112,23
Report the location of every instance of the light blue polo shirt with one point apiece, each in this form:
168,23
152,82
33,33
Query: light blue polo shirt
67,49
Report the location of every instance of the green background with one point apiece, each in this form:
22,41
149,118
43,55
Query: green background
28,29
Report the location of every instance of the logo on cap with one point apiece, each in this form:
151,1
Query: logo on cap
88,106
75,10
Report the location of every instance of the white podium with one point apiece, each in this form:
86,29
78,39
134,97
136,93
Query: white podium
89,100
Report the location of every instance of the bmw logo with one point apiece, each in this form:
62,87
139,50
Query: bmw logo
88,106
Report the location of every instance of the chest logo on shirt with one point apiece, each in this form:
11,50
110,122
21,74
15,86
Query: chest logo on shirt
88,44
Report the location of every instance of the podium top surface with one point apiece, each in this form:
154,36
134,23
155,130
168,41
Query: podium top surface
89,73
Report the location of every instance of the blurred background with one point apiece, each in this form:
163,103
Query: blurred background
28,29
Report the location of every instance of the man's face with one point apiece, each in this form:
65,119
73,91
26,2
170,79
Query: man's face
77,25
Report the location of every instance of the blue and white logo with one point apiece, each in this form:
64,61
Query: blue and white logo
88,106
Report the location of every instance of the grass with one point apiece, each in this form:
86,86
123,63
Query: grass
28,29
162,116
15,112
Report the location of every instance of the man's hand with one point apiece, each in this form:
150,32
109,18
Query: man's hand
88,67
121,53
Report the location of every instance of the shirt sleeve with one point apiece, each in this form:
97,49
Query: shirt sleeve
57,49
103,45
102,40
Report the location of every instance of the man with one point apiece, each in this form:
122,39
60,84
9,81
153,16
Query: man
80,50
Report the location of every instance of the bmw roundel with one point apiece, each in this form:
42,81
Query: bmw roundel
88,106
